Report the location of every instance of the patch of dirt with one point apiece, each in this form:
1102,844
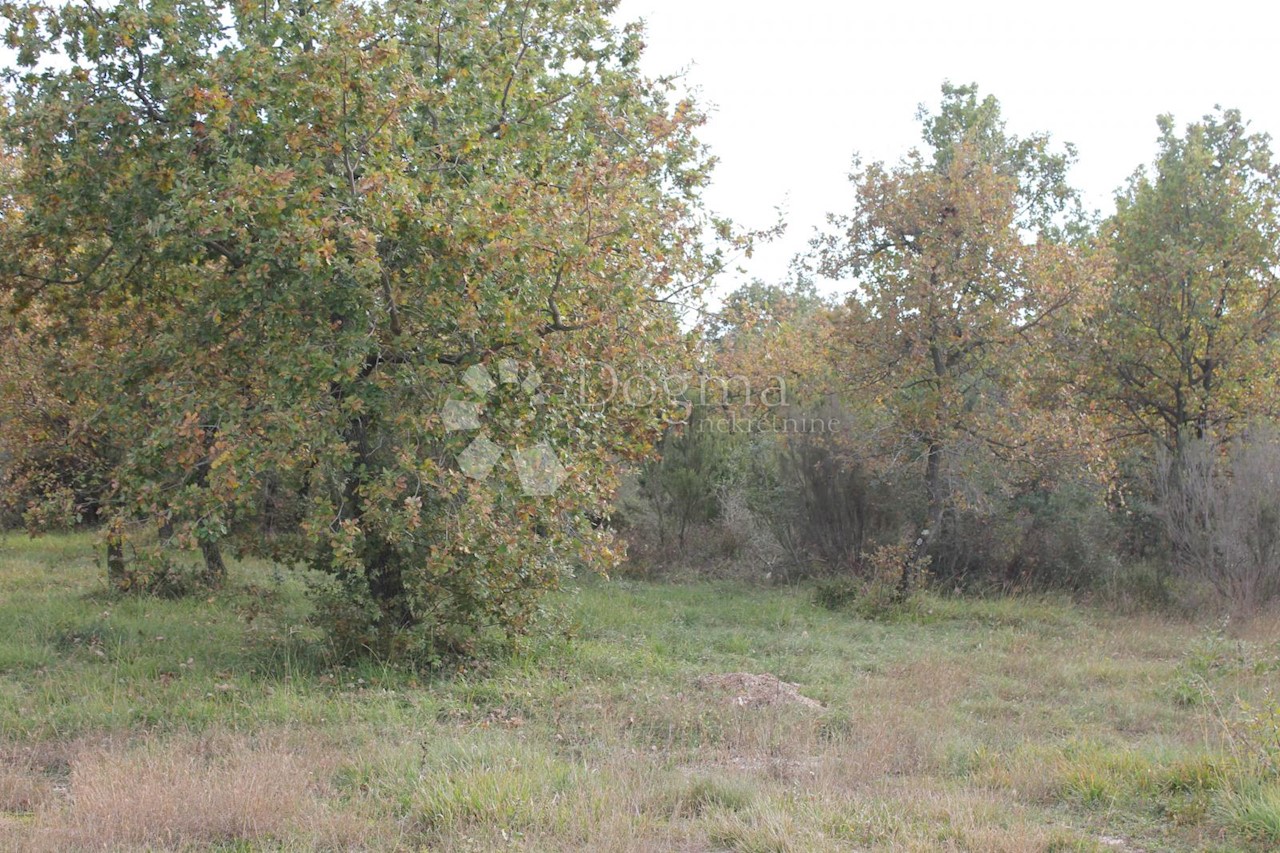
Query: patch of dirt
747,690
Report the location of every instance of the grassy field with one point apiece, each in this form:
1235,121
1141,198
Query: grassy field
964,725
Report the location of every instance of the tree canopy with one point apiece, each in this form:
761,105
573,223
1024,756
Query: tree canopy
303,223
394,290
956,266
1186,337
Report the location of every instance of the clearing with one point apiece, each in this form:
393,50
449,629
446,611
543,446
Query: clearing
695,716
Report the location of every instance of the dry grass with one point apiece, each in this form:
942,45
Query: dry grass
964,725
191,792
23,789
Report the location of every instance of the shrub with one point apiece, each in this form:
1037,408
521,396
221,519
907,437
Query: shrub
877,589
1221,508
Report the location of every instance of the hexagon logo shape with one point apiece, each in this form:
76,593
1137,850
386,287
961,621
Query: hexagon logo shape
478,459
538,468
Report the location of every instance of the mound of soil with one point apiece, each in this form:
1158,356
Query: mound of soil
756,691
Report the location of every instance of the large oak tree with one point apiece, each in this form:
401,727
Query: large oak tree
304,222
957,258
1186,341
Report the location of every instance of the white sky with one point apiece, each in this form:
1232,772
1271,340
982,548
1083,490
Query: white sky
798,86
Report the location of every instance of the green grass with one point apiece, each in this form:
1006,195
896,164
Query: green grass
1255,812
1000,724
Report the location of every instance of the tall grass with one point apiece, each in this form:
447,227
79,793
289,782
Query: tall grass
1000,724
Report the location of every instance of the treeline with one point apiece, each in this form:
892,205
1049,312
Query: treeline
1025,395
332,287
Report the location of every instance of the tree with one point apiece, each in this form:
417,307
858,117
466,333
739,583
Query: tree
1046,203
1186,341
53,466
312,221
54,463
680,485
958,264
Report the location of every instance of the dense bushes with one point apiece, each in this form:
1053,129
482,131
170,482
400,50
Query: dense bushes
805,505
796,506
1221,508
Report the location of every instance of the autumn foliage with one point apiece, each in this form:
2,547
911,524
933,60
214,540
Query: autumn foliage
1003,365
302,225
256,259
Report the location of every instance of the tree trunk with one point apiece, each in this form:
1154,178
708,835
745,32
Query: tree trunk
382,567
936,507
215,570
117,574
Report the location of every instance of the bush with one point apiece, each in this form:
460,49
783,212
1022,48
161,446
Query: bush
1221,509
1045,533
787,506
877,589
1136,586
678,489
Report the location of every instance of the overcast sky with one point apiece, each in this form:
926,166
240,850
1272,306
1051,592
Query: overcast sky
798,86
